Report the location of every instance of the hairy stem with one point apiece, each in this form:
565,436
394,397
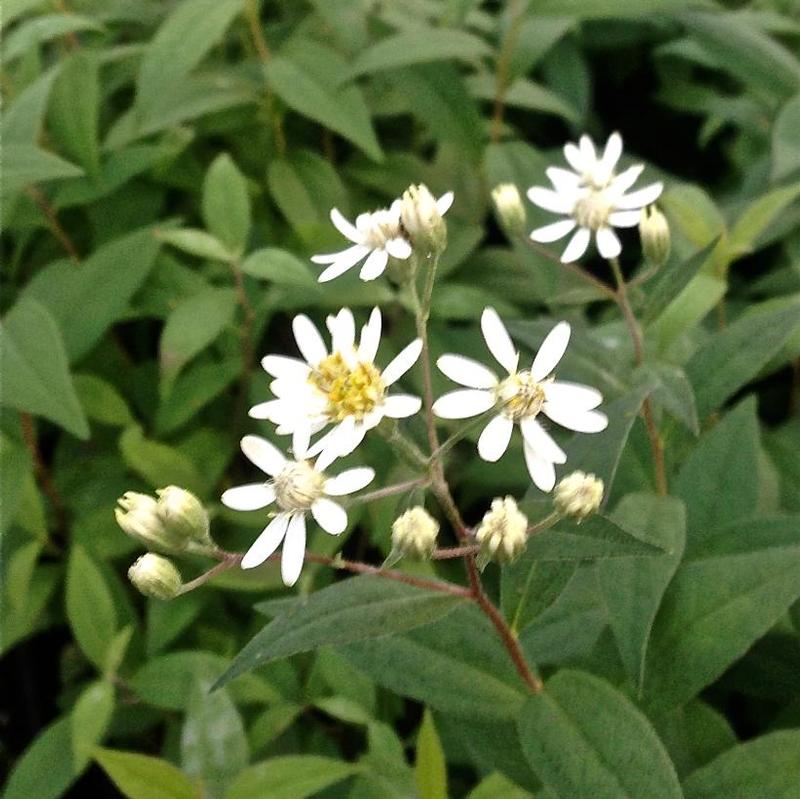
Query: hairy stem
390,491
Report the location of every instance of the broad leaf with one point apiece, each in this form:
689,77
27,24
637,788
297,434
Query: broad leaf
145,777
279,267
430,769
290,777
785,147
759,215
226,203
529,585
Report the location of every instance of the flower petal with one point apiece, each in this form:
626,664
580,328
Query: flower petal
281,366
294,549
444,202
398,248
308,338
342,328
370,337
266,543
494,439
402,362
347,259
253,496
466,371
498,341
626,179
464,403
563,179
553,231
588,152
575,158
611,154
375,265
263,454
577,246
330,515
576,395
540,441
349,481
625,218
541,471
579,420
401,406
271,410
641,198
608,243
558,203
344,227
552,350
301,439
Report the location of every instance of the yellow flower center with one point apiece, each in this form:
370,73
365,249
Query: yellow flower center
350,391
520,396
297,486
592,211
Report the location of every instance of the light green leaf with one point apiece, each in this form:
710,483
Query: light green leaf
90,718
523,93
785,147
158,464
279,267
693,213
23,119
24,164
145,777
197,242
33,367
586,740
290,777
16,467
43,28
101,401
497,785
226,203
430,769
351,610
757,218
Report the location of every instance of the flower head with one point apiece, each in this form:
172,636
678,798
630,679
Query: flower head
503,532
508,205
421,217
592,198
138,515
414,533
297,487
184,514
343,387
578,495
155,576
519,398
655,235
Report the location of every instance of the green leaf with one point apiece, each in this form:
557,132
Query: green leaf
528,586
732,357
758,216
24,164
41,28
351,610
101,401
586,740
633,589
226,203
101,286
90,719
430,769
454,665
197,242
193,326
674,393
785,147
768,766
290,777
279,267
34,371
167,620
525,94
23,119
144,777
90,606
418,47
16,467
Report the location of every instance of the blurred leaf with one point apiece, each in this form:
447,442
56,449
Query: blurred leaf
145,777
272,723
16,467
430,769
24,164
32,32
690,209
101,401
158,464
586,740
758,216
290,777
226,203
674,393
90,718
167,620
197,242
279,267
497,785
785,147
34,370
23,119
456,301
529,585
351,610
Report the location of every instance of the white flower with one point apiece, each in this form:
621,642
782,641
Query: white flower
520,398
375,236
297,487
593,198
344,387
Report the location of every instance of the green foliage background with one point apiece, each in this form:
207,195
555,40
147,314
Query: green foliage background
153,152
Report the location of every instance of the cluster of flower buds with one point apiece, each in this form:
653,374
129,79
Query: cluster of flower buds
414,534
503,532
422,220
578,495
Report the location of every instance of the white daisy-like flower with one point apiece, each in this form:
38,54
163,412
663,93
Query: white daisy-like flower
297,487
343,387
592,198
519,398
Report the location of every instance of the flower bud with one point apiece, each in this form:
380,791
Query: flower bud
509,208
578,495
138,516
155,576
421,220
503,532
183,515
414,533
654,232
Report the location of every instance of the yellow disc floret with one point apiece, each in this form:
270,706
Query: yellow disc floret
351,391
520,396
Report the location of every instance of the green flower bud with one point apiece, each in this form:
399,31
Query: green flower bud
578,495
509,208
183,516
421,220
139,517
503,533
414,533
654,232
155,576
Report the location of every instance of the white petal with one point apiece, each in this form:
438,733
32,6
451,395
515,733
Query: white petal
578,420
464,403
577,246
342,328
608,243
263,454
498,341
398,248
344,227
444,202
574,158
562,179
401,406
330,515
370,337
554,231
541,471
266,543
611,154
281,366
540,441
588,153
558,203
552,350
402,362
301,439
494,439
641,198
466,371
576,395
625,218
294,549
349,481
308,338
346,260
626,179
375,265
271,410
248,497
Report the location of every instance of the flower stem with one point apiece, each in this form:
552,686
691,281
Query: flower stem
389,491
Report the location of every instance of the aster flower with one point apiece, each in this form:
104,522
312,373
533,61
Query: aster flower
342,387
297,487
519,398
593,199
